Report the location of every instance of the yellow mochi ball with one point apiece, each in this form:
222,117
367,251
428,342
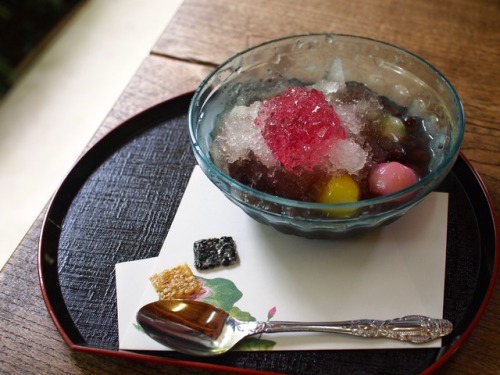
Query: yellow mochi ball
340,189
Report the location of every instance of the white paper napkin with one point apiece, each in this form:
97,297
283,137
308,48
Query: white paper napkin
393,271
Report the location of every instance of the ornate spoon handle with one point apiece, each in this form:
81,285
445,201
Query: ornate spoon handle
417,329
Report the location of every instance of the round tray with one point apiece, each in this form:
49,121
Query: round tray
119,200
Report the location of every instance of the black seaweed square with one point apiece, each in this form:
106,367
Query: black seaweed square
215,252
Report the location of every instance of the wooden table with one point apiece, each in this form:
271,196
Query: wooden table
461,38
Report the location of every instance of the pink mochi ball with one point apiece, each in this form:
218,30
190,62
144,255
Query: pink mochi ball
388,178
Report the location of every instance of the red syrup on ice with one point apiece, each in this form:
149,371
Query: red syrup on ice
300,142
300,127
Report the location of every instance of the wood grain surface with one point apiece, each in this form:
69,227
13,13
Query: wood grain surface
460,38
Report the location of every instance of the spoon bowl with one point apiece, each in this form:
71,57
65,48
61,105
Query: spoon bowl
200,329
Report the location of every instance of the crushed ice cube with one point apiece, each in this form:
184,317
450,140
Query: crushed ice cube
348,155
418,107
239,135
349,118
336,72
328,87
354,116
431,125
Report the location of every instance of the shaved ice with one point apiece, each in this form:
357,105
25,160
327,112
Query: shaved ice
294,143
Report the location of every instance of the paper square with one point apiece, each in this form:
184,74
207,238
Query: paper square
393,271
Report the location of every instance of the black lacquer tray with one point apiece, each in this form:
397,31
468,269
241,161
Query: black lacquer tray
118,203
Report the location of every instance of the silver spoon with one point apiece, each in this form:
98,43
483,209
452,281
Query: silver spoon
197,328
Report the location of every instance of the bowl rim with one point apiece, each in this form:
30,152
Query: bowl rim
401,194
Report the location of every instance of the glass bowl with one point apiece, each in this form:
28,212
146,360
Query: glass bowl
265,70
